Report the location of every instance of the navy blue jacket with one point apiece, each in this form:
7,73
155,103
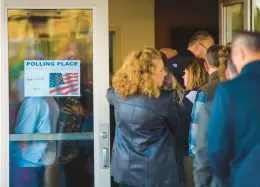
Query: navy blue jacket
234,127
248,173
144,150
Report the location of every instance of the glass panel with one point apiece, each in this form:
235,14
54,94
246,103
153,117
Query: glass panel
257,16
234,20
51,98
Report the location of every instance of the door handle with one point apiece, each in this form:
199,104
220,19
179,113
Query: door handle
104,163
104,151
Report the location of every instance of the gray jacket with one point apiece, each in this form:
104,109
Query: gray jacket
202,173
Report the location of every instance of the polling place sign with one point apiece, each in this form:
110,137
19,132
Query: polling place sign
49,78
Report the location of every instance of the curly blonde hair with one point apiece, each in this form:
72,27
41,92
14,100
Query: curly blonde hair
224,55
136,76
197,74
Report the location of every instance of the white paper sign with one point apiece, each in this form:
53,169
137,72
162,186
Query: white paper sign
51,78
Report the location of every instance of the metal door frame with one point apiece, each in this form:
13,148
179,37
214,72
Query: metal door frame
100,79
223,4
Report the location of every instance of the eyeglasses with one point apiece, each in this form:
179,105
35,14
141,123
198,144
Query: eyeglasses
204,46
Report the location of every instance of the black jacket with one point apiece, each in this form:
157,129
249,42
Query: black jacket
144,150
182,132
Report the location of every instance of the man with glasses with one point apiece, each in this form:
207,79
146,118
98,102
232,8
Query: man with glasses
199,43
197,46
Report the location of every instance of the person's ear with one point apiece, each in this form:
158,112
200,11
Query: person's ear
197,46
242,53
227,75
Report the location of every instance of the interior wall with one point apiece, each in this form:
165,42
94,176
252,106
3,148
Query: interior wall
170,14
133,23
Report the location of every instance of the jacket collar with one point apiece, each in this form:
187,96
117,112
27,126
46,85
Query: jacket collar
186,53
213,76
252,67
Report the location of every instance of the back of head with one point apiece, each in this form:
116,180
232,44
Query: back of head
212,56
217,57
199,37
250,40
135,77
197,74
245,49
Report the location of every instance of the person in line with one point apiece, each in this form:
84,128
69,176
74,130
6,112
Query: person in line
197,47
37,115
195,76
144,150
206,91
234,124
216,63
69,153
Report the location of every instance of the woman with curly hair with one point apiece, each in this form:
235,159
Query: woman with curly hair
144,150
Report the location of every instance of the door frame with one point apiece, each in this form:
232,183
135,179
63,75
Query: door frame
100,78
223,4
253,6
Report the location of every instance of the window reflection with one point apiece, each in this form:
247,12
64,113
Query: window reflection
257,15
56,160
235,20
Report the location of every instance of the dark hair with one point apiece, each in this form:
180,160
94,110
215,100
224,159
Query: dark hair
251,40
199,36
212,56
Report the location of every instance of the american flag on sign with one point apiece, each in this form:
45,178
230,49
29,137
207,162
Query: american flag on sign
64,84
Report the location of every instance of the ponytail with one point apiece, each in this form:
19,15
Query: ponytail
224,55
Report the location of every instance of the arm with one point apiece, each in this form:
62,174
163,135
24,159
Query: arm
200,101
220,135
30,118
111,98
202,173
27,117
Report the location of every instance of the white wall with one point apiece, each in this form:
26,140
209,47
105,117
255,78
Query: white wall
133,22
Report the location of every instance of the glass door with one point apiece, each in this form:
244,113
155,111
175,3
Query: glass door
234,17
58,66
256,15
